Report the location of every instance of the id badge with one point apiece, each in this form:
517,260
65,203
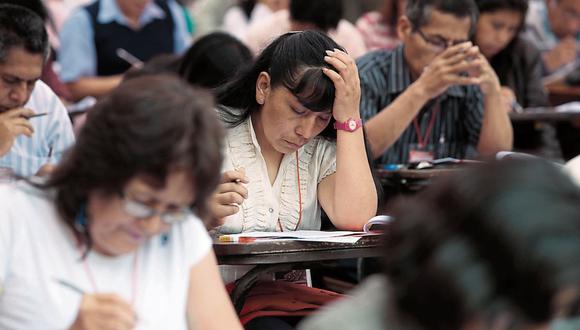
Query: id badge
421,154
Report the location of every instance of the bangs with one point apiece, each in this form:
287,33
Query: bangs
314,90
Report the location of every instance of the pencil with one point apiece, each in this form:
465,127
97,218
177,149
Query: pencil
70,286
235,239
37,115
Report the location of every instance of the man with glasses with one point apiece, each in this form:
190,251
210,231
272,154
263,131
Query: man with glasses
554,26
436,95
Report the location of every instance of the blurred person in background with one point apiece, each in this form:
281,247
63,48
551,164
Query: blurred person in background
379,28
239,17
101,41
321,15
496,247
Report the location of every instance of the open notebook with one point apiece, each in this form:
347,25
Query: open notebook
374,226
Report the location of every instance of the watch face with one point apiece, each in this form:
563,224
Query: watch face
352,125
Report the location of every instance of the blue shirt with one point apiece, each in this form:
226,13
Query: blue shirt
53,134
77,54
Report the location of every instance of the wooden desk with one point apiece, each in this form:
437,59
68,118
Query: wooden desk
560,92
276,256
543,114
408,181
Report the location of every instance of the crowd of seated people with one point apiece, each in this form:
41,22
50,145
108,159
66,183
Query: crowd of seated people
275,120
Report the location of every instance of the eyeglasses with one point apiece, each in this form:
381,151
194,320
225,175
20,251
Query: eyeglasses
438,42
142,211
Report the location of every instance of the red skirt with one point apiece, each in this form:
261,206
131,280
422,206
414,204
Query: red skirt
281,298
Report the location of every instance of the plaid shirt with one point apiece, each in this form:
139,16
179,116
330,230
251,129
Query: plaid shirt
455,133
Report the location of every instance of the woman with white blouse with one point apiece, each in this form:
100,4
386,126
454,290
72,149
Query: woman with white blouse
111,241
295,142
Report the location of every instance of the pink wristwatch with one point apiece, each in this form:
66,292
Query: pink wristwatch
350,125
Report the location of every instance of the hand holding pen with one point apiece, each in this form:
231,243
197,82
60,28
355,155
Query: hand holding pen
230,194
102,311
13,123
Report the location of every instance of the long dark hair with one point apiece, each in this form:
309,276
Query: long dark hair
214,59
506,234
294,61
149,125
502,62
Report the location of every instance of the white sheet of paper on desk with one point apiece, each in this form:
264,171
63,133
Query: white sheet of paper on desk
299,234
569,107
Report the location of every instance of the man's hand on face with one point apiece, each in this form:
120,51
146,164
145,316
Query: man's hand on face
462,65
564,53
13,123
449,68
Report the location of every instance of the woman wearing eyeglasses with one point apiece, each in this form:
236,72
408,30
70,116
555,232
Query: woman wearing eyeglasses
111,240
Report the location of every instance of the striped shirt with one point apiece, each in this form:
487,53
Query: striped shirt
52,135
455,133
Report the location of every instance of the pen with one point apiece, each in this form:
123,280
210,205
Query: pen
129,58
70,286
82,292
36,115
235,239
517,107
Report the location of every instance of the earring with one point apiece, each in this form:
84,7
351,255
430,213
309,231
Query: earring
80,223
260,101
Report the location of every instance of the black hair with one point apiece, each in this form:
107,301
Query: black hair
324,14
21,27
294,61
35,5
502,62
150,126
213,59
419,11
504,234
159,64
520,6
247,7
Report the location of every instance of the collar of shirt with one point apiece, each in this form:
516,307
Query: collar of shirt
399,76
253,135
110,12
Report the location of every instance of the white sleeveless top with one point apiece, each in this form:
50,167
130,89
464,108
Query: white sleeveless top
267,202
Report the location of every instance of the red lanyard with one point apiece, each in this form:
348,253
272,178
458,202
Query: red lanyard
134,277
299,197
424,140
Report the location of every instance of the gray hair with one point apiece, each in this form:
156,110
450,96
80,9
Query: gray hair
419,11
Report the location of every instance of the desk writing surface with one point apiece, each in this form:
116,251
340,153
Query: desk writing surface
415,174
560,92
544,114
287,251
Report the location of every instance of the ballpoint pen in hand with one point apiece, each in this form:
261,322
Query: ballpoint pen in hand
129,58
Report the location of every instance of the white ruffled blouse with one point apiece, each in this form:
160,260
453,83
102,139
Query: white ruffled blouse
267,202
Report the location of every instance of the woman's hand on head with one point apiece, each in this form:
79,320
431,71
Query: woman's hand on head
104,312
346,83
230,194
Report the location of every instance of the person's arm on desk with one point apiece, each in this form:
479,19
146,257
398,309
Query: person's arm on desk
443,72
496,130
352,184
217,312
104,311
93,86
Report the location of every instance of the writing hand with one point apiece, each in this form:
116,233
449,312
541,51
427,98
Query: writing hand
229,194
104,312
12,124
